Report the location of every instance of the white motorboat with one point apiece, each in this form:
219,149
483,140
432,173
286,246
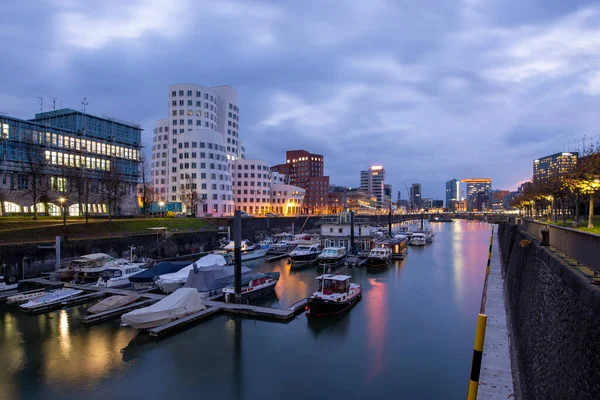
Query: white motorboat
429,234
52,297
4,286
182,302
24,298
112,302
254,285
117,277
418,239
265,244
332,257
90,267
250,251
169,283
379,257
283,246
305,254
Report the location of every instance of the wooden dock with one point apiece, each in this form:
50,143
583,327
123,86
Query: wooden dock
169,327
72,301
298,307
91,288
91,319
255,311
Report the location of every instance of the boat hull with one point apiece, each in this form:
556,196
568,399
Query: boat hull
378,262
418,242
330,262
254,294
303,259
321,308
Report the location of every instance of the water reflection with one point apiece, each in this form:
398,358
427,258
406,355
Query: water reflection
376,322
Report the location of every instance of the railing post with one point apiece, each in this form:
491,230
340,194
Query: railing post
477,356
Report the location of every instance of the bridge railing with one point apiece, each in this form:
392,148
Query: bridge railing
582,246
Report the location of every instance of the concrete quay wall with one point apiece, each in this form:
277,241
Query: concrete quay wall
554,320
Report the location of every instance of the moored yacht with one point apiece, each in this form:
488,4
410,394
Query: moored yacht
89,268
332,257
4,286
250,251
379,257
398,245
117,277
305,254
254,285
428,233
418,239
335,295
52,297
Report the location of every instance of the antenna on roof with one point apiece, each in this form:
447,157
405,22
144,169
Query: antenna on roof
41,104
54,103
84,103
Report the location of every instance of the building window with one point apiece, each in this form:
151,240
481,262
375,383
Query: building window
189,92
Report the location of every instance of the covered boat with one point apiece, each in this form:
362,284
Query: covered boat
146,279
169,283
112,302
209,281
182,302
24,298
253,285
335,295
52,297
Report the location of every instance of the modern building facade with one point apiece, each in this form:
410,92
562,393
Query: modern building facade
479,191
555,165
306,170
72,156
452,193
194,150
415,196
372,182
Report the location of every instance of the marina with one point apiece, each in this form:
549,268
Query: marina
358,327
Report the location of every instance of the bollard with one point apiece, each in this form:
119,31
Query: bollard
545,237
477,356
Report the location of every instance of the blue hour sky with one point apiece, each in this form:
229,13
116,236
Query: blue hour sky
432,90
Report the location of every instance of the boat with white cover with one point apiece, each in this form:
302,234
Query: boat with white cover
210,281
182,302
4,286
112,302
253,285
418,239
169,283
52,297
335,295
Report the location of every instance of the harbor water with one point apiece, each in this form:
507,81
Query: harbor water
410,337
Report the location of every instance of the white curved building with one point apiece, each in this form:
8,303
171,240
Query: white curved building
194,148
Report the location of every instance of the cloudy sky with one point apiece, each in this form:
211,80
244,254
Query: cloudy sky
433,90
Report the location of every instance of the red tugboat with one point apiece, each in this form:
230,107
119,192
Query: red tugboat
335,295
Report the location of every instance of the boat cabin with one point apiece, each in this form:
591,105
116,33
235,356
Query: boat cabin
380,252
333,283
333,252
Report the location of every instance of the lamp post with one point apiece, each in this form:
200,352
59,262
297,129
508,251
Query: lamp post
162,204
63,202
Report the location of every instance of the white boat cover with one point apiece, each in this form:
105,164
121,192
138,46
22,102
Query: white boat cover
182,274
182,302
211,278
51,297
113,302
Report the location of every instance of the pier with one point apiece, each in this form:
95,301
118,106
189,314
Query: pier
97,318
71,301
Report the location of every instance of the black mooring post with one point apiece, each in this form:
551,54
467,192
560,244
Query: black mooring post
390,221
352,232
237,255
422,216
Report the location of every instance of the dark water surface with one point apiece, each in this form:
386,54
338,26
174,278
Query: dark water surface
410,337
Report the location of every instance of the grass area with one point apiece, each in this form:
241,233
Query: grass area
582,224
97,229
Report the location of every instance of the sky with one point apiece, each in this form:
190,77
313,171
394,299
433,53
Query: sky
431,90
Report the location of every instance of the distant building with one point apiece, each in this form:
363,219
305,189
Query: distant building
508,199
360,202
61,149
372,182
438,204
387,190
497,200
452,193
426,202
415,196
305,170
554,165
475,186
524,187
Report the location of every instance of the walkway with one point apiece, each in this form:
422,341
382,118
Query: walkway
496,381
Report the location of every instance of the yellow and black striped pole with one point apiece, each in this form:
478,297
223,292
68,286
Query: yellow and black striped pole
487,270
477,356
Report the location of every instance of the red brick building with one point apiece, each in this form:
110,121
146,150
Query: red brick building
305,170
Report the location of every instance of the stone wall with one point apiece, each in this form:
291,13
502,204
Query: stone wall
554,318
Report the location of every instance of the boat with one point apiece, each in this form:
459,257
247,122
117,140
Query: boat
335,295
89,268
4,286
379,257
182,302
51,297
112,302
332,257
265,244
147,278
305,254
253,285
250,251
280,247
24,298
398,245
169,283
418,239
117,277
210,281
429,235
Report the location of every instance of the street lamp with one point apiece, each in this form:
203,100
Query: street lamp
161,204
63,202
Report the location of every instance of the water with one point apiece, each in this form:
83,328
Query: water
411,336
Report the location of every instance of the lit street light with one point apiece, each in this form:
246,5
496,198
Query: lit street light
63,203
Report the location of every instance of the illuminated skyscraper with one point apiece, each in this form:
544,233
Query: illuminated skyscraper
477,188
552,166
372,182
452,193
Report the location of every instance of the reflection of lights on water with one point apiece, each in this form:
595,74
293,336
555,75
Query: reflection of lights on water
377,321
65,337
457,262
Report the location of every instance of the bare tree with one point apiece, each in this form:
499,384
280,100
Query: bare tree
63,186
113,191
145,182
5,192
34,180
81,182
190,195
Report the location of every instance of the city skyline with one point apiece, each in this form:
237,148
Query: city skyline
344,93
